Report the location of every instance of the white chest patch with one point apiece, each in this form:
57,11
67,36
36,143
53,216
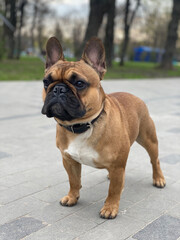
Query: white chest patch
79,150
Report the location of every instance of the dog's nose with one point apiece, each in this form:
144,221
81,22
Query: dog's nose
59,89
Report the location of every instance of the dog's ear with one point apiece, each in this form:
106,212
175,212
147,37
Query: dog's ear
94,55
54,52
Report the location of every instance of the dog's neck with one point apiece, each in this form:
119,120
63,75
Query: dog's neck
81,127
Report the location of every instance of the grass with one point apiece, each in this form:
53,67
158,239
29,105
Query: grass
27,68
31,68
139,70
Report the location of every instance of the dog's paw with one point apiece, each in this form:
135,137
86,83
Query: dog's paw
68,201
159,182
109,211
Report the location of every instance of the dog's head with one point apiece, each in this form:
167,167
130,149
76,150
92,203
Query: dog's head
72,91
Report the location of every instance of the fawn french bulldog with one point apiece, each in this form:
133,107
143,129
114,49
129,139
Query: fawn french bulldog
95,128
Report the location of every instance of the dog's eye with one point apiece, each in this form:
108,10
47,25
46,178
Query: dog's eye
80,85
46,82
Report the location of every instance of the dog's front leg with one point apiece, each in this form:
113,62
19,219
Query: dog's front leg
111,206
73,169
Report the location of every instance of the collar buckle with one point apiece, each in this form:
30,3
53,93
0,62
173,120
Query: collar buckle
72,128
88,124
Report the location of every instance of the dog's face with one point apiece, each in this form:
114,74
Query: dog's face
72,90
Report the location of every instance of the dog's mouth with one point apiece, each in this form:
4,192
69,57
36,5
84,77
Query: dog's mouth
63,107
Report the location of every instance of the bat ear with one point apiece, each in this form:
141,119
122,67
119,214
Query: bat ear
54,51
94,55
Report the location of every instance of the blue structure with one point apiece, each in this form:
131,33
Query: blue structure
148,54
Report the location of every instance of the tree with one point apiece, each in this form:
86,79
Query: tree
58,33
43,11
21,18
11,16
155,22
77,39
128,20
155,27
1,43
97,11
109,37
172,36
33,26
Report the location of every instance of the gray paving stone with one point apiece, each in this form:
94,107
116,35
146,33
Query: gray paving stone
164,228
174,130
144,186
37,175
4,155
18,192
75,224
172,192
2,174
95,193
143,214
94,178
175,211
51,233
91,212
117,229
171,172
67,228
54,212
91,192
54,193
137,193
51,213
20,228
156,202
136,177
171,159
33,179
12,117
3,188
86,170
19,208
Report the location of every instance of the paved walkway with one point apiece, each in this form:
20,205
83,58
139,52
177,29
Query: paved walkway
32,178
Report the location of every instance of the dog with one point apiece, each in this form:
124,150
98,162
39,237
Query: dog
94,128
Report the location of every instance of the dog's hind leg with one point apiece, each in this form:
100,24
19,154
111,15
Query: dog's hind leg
148,139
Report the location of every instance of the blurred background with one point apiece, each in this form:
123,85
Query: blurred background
141,37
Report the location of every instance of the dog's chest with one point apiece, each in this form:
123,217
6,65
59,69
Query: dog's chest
80,151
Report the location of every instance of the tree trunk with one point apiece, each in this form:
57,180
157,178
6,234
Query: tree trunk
109,37
77,40
40,36
4,25
97,10
33,26
11,40
42,12
23,3
172,36
126,33
124,45
128,20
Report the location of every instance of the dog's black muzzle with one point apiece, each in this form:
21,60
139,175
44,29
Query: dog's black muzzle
61,103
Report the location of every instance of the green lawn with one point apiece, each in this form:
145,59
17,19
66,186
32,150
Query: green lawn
139,70
27,68
31,68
